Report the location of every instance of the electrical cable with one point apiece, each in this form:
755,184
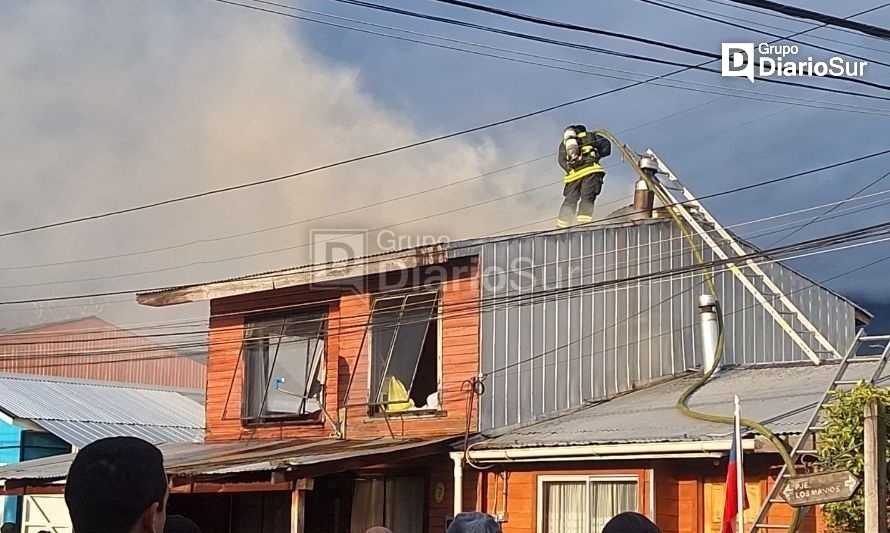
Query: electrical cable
780,28
701,15
543,232
493,303
239,340
815,219
379,153
740,93
568,44
830,20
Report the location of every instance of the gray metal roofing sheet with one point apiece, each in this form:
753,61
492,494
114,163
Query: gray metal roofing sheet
81,412
234,457
782,397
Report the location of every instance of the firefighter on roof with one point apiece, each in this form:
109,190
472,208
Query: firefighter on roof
579,156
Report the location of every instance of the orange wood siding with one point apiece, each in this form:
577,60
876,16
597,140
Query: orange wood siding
514,492
346,361
678,488
439,511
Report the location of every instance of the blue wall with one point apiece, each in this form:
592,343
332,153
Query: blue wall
17,445
10,451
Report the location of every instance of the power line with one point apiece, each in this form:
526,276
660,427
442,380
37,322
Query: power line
713,195
671,83
815,219
829,20
384,152
568,44
563,293
79,332
780,28
734,25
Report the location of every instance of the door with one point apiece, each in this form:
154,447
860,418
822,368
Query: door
45,513
715,495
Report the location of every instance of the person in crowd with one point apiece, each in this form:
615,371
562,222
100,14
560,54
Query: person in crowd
474,523
117,485
379,529
630,523
180,524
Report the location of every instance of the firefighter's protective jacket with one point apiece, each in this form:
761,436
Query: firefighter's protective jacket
593,148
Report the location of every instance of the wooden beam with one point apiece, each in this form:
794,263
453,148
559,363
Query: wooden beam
349,464
298,511
329,272
226,488
22,490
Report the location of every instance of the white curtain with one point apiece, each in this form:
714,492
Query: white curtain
367,505
608,498
405,504
565,505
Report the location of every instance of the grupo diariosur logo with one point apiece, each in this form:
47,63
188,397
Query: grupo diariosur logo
741,60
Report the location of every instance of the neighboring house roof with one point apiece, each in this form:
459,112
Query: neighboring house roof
215,459
91,348
780,397
80,411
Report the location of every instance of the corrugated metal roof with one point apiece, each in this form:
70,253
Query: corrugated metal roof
781,397
80,412
235,457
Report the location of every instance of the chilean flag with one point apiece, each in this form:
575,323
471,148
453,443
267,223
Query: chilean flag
735,487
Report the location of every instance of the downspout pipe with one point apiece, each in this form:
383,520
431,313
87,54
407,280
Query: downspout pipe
710,332
458,459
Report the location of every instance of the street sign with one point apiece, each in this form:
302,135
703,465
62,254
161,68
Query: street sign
815,489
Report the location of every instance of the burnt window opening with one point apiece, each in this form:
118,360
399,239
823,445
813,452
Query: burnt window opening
405,353
284,366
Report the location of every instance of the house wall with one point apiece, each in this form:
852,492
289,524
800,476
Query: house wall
552,353
94,349
346,359
678,487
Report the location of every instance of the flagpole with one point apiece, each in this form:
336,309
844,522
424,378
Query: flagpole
740,476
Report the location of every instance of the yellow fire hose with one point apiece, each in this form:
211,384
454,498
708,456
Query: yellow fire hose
683,400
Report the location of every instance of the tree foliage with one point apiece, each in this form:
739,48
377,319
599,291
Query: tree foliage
841,447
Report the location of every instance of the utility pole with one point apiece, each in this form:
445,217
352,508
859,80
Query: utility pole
875,467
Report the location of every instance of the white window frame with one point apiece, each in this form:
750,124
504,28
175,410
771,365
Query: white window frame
369,386
587,478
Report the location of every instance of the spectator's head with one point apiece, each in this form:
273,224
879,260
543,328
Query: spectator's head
180,524
117,485
630,523
9,527
474,523
379,529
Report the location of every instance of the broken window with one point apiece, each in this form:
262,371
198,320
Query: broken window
405,353
284,366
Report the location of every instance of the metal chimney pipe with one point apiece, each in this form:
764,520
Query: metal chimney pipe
644,200
710,330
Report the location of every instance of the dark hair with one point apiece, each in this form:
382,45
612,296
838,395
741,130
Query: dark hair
112,482
630,523
180,524
474,523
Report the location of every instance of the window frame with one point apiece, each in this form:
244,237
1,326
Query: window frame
587,479
247,419
378,411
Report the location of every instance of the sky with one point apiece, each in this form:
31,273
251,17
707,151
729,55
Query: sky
111,104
